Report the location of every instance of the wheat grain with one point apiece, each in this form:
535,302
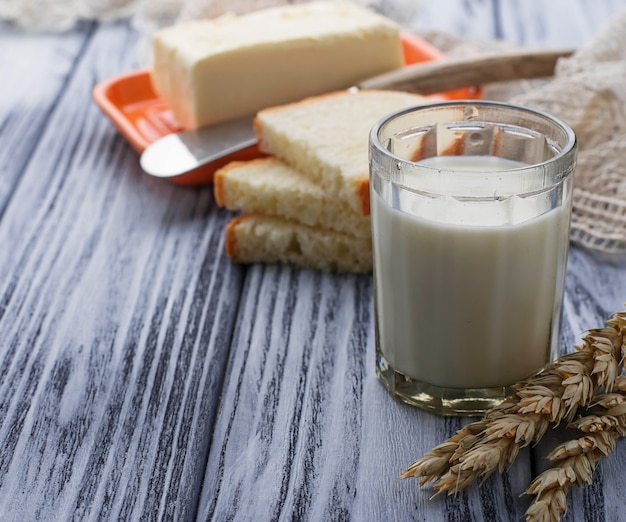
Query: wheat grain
437,461
575,460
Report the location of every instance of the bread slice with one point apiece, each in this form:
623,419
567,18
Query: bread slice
326,137
271,187
254,238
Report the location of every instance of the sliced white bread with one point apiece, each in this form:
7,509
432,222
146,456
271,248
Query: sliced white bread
271,187
326,137
254,238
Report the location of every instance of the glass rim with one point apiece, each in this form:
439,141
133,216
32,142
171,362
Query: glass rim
567,149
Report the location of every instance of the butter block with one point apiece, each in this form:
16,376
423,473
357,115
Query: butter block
210,71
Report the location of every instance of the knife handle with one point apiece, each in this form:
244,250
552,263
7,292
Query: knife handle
448,74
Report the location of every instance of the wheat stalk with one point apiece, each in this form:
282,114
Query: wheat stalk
555,394
575,460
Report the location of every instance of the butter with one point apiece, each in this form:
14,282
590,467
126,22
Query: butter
210,71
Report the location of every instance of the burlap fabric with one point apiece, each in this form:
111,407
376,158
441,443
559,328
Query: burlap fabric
588,91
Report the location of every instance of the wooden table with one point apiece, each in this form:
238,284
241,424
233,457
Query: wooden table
143,376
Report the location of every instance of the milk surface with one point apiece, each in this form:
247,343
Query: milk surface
460,305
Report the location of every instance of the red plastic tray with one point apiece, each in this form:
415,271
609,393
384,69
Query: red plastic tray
130,102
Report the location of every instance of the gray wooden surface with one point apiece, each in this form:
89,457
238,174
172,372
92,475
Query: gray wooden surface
143,376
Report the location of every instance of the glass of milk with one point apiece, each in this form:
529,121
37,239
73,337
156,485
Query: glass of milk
470,207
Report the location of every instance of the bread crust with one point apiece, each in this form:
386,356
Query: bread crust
230,240
332,94
256,125
362,188
218,186
331,251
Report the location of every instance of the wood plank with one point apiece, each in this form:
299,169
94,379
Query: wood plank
30,91
117,307
456,17
554,24
305,430
594,289
559,23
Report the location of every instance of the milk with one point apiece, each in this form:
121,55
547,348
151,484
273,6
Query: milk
466,305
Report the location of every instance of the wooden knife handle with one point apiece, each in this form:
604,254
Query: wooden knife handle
448,74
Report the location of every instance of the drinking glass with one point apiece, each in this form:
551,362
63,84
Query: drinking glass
470,206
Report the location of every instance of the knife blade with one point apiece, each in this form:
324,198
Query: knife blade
178,154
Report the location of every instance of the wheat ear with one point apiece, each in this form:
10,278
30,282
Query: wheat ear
492,444
575,460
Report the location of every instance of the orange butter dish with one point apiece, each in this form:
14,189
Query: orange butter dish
132,105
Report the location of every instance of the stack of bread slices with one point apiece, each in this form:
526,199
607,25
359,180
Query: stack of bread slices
307,202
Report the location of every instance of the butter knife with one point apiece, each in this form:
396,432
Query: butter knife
176,155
